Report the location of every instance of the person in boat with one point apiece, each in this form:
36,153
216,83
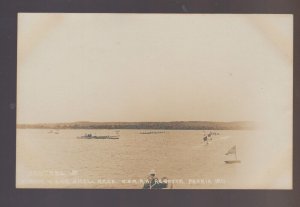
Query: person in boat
152,181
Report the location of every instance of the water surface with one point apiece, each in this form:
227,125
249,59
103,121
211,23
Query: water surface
49,160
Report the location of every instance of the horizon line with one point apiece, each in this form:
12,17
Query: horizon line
126,122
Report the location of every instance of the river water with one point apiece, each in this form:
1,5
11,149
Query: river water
61,160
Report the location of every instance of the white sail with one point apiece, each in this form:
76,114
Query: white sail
232,150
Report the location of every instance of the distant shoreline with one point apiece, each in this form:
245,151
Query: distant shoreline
174,125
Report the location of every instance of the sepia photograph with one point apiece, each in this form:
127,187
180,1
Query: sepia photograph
154,101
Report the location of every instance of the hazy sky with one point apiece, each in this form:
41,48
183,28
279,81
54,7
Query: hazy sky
153,67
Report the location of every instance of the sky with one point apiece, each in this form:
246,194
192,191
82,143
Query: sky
154,67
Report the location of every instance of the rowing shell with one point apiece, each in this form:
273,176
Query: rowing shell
232,161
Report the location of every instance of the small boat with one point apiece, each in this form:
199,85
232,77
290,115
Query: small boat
207,139
232,150
90,136
232,161
152,182
156,183
152,132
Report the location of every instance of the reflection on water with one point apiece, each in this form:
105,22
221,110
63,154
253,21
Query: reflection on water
51,160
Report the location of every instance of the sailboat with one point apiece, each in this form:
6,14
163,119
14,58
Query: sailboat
205,140
232,150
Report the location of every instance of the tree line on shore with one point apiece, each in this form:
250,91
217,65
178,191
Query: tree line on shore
175,125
